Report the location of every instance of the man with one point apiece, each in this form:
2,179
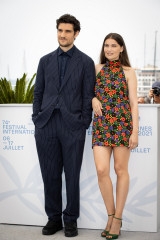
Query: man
154,93
141,100
62,112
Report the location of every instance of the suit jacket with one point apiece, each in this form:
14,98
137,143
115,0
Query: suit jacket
73,97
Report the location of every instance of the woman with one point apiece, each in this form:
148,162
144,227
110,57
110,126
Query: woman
115,126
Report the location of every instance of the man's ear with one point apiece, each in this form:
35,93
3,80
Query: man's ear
76,34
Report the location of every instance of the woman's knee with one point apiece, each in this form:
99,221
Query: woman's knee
102,173
120,170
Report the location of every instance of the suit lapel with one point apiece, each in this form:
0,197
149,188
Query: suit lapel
53,67
72,64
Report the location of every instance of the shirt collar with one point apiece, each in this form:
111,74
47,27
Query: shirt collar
69,52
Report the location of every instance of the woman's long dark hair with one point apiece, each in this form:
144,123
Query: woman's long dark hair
123,57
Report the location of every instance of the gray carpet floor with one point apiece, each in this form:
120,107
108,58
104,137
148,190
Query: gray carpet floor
20,232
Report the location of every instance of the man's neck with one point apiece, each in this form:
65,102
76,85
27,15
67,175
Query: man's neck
65,49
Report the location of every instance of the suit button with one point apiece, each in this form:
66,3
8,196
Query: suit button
53,105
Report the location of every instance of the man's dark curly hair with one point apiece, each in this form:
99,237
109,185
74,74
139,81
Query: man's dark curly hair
67,18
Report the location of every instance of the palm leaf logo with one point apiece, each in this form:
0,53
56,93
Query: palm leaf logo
33,185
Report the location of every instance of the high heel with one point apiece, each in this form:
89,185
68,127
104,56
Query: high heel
114,236
105,233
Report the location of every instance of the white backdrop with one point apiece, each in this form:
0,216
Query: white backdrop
28,30
21,188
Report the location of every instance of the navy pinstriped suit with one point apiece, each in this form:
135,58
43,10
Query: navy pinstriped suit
61,115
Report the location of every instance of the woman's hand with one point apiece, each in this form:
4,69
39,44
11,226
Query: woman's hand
133,141
97,106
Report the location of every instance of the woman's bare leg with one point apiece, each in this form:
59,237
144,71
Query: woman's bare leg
102,157
121,158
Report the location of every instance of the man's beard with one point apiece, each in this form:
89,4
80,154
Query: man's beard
65,45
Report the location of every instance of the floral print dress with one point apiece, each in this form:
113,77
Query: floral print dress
114,127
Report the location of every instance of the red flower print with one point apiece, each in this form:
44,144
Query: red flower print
110,93
108,135
106,89
111,120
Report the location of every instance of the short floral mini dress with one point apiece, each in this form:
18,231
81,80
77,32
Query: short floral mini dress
114,127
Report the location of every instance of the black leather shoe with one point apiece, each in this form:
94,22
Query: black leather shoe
52,227
70,229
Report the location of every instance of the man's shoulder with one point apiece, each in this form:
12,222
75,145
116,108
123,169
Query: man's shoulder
48,56
84,56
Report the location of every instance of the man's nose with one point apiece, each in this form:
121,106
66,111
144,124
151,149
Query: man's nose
62,34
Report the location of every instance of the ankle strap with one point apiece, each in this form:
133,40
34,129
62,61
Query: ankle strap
118,218
111,215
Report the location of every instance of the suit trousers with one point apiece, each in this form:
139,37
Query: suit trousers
60,148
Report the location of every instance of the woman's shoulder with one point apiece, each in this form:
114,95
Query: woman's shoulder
98,67
128,69
129,73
